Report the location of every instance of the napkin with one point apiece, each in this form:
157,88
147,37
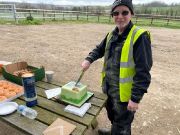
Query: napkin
53,92
5,62
76,110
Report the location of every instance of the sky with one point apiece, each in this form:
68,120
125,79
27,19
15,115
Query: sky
88,2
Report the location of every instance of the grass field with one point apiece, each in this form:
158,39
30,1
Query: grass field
170,10
82,18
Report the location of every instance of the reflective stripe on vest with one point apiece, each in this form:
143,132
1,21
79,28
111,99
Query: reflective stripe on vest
127,65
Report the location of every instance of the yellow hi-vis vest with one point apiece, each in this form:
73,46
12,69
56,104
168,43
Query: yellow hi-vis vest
127,65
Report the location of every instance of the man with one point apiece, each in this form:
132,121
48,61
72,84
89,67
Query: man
126,72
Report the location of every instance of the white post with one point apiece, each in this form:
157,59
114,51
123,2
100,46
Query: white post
14,13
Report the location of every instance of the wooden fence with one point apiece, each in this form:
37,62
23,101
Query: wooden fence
9,11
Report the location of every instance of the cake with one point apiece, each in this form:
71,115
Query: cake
73,93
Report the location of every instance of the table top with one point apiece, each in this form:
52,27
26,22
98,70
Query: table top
50,110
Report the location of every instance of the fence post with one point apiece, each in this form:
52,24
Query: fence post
168,21
63,15
87,17
14,14
43,15
175,14
109,18
54,15
136,19
77,17
98,17
152,20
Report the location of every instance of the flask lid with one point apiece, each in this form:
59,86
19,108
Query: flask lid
21,108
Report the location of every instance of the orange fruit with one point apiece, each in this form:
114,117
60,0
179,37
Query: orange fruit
17,90
10,94
1,92
2,98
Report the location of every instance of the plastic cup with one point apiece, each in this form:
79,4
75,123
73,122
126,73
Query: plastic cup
49,75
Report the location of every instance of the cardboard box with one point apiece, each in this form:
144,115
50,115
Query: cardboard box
6,86
2,63
9,69
59,127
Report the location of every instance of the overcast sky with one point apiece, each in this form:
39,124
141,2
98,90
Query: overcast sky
88,2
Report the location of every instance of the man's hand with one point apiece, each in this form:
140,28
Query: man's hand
85,65
132,106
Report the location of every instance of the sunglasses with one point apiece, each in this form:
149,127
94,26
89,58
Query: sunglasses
123,13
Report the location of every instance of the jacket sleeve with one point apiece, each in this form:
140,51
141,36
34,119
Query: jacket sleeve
143,62
97,52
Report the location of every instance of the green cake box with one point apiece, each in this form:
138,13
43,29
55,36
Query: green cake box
75,95
8,72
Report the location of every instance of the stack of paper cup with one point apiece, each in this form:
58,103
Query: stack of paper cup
49,76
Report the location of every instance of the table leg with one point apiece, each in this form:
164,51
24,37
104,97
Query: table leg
94,123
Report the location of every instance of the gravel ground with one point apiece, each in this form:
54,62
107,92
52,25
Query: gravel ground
63,47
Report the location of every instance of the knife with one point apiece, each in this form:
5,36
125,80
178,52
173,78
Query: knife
81,75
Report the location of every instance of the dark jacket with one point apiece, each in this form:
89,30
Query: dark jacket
142,57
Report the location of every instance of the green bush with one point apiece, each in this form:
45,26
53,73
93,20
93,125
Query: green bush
29,18
29,22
